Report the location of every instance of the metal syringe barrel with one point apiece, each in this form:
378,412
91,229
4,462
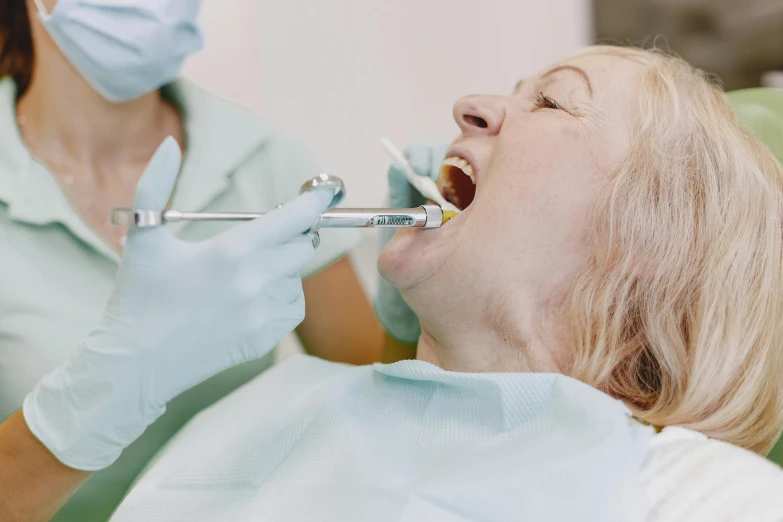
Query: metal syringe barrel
425,216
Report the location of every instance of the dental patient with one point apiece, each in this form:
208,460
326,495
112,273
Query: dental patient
601,332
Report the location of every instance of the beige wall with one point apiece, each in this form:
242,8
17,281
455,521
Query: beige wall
342,74
229,65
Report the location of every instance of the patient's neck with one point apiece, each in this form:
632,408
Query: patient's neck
510,328
519,340
491,351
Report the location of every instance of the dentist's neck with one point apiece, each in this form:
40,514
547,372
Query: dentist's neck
62,118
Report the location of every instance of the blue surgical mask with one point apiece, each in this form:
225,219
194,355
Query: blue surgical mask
124,48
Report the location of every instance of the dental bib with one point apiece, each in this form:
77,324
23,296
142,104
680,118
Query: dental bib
402,442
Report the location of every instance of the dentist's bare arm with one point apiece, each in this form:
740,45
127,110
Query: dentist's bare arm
339,323
33,483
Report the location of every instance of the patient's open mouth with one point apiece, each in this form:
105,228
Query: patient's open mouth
457,181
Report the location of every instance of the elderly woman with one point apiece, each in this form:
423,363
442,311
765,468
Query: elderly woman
600,339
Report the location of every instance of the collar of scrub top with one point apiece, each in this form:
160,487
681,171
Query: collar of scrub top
212,155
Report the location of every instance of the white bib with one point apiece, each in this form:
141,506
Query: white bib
402,442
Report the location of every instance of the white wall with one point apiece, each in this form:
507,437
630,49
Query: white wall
342,74
230,64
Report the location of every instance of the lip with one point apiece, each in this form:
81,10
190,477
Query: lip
456,150
454,222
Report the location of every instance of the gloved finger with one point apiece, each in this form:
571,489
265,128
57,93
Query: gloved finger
267,313
268,334
426,159
282,224
157,183
146,245
283,291
400,191
437,155
263,285
286,259
418,155
266,322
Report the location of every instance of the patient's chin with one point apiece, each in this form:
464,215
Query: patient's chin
410,258
397,262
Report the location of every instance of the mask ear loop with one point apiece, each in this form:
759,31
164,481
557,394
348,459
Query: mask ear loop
42,10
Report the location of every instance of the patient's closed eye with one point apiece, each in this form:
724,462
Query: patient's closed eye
545,102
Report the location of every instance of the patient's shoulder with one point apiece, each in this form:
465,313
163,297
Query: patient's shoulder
691,477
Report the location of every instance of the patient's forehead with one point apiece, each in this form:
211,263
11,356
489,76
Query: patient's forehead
615,83
609,82
607,73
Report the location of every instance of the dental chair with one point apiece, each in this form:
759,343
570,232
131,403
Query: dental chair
761,111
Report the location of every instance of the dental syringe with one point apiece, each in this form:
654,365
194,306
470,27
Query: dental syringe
425,216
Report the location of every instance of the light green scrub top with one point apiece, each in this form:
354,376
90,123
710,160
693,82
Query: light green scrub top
56,273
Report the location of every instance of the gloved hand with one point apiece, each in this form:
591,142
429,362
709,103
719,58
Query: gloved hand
180,312
761,110
394,314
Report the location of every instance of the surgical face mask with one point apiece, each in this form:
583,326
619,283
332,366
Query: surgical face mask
124,48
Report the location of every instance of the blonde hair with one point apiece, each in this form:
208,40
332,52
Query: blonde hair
679,312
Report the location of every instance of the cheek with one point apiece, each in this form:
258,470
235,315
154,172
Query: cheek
547,179
538,200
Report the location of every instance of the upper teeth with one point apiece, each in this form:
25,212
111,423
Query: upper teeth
462,164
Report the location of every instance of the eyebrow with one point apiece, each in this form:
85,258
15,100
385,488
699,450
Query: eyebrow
573,68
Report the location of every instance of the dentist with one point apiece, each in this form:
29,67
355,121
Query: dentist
88,91
180,312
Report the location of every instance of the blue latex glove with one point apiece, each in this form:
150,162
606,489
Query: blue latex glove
180,313
394,314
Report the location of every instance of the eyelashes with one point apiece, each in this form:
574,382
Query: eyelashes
543,101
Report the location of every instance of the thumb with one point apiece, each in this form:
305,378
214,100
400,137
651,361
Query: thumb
157,183
295,217
400,191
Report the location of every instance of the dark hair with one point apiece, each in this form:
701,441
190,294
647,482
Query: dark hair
16,43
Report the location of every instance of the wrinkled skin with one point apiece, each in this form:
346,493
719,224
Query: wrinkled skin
484,284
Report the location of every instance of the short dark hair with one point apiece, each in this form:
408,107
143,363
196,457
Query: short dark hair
16,43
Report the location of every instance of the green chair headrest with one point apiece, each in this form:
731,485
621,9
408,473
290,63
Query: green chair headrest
761,111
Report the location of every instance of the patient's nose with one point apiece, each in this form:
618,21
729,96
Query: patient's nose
480,115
